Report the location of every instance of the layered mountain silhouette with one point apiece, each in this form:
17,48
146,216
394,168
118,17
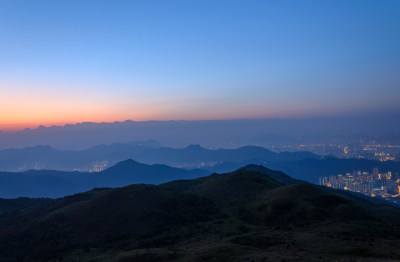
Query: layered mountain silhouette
53,184
302,165
46,157
220,133
251,214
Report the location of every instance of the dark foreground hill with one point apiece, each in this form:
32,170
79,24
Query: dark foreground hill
240,216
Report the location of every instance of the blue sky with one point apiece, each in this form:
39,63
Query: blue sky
72,61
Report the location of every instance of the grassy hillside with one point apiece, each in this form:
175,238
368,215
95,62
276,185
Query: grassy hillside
240,216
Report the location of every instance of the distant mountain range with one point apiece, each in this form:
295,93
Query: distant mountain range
252,214
53,184
44,183
209,133
95,158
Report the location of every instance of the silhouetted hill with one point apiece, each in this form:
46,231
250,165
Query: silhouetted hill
240,216
312,169
53,184
43,183
274,174
46,157
195,155
130,172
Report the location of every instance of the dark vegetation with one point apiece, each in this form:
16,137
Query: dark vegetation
252,214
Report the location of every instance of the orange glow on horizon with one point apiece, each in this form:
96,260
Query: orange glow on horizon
18,126
31,105
18,114
11,125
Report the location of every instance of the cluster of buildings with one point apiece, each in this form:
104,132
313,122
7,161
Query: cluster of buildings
354,150
96,166
378,152
99,166
375,184
372,148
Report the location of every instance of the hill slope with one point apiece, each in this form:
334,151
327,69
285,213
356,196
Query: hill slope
239,216
310,169
53,184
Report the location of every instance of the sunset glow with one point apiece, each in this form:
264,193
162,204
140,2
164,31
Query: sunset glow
190,61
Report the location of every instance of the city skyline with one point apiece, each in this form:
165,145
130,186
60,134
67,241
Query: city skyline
97,61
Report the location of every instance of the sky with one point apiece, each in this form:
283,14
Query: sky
101,61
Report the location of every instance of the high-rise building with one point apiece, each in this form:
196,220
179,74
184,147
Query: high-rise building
375,173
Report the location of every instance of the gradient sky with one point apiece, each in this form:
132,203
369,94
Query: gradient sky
73,61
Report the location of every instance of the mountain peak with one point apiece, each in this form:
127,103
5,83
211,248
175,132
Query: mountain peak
277,175
254,166
124,164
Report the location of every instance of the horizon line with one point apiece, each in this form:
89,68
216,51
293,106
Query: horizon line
34,126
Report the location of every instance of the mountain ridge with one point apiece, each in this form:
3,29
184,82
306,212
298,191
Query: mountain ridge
53,184
46,157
